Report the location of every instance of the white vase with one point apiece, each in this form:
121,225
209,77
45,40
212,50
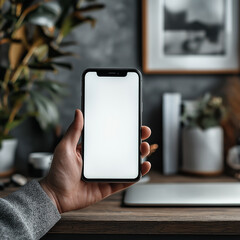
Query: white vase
202,151
7,156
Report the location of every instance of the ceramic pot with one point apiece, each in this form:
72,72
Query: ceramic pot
202,151
39,163
7,156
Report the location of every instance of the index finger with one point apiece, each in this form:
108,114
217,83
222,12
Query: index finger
146,132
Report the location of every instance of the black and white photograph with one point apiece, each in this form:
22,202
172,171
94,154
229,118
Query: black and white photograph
191,36
194,27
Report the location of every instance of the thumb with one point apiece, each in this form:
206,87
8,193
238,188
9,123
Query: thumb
74,131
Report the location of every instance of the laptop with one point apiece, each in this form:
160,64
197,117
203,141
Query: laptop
183,194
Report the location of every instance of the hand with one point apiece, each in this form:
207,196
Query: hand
63,184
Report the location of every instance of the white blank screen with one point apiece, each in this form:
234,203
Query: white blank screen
111,126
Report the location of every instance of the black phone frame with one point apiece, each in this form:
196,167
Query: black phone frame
113,72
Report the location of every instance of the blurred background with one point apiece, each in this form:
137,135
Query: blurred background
115,40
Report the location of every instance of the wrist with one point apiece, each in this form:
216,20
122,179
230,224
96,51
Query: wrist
51,194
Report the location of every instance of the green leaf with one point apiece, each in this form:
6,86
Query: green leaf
67,25
18,96
68,43
204,113
14,124
64,65
92,7
52,86
41,52
49,66
54,53
47,110
42,66
65,6
74,20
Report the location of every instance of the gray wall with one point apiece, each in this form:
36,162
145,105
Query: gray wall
114,42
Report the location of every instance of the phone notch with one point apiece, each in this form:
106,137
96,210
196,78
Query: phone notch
111,73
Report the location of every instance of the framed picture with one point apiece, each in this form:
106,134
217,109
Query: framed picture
191,36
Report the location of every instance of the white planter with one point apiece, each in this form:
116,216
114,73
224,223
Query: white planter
7,156
202,150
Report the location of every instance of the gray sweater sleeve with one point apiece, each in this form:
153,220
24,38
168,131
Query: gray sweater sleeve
27,213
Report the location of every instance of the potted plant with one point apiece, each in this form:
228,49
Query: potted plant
202,136
31,37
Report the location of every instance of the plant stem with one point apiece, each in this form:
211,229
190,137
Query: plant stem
12,116
24,62
59,38
16,74
14,78
5,85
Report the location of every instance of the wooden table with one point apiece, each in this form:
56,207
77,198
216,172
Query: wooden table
110,217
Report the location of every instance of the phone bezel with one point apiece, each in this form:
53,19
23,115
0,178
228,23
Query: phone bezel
113,72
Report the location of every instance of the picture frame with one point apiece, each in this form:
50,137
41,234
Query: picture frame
192,41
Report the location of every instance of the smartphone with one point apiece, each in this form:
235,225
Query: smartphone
112,110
